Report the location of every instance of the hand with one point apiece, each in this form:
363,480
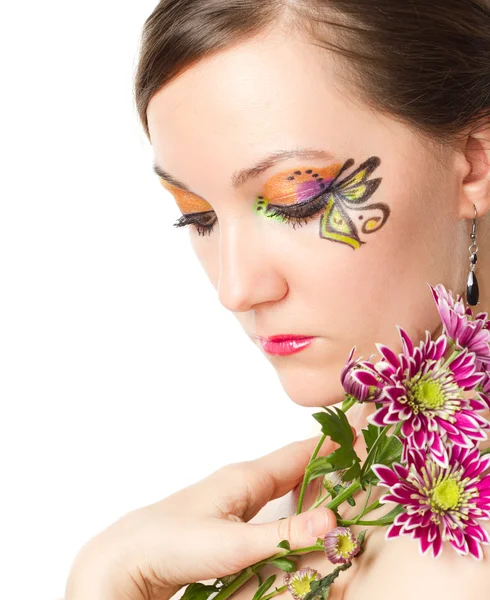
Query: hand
200,532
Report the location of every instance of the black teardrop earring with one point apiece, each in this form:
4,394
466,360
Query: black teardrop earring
472,291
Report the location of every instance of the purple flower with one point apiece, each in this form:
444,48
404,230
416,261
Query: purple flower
298,582
427,396
352,387
340,545
460,326
440,504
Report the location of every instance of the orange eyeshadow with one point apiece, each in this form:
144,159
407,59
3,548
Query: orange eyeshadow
289,187
187,202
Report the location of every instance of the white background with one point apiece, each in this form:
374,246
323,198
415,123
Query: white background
122,377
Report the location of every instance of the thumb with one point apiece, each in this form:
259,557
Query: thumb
261,539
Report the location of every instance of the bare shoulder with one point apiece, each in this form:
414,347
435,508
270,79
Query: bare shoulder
401,571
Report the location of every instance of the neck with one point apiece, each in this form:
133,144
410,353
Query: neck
359,412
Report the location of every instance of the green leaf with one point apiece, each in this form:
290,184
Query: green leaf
264,587
337,427
388,518
353,472
351,501
259,577
199,591
285,564
360,539
322,465
284,544
390,451
321,588
370,433
387,452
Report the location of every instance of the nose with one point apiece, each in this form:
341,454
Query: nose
248,274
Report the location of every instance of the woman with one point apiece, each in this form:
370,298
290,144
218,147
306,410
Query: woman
254,110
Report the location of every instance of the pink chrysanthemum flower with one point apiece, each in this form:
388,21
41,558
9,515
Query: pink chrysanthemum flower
299,582
340,545
428,396
440,504
361,392
460,326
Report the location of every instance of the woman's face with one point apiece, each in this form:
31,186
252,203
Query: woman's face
361,261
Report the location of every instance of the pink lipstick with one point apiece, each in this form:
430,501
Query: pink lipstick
283,345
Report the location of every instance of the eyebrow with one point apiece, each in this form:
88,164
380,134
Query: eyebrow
239,178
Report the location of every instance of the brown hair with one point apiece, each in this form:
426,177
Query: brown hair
426,63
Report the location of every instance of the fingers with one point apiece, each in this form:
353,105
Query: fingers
277,473
253,542
287,465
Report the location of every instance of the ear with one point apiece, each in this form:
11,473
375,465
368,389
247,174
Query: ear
475,185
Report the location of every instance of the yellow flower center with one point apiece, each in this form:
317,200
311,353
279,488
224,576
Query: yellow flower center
428,394
446,495
345,545
302,586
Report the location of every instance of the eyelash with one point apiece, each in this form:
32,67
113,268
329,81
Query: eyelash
296,214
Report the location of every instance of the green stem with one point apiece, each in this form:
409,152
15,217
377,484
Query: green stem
305,479
453,355
249,572
370,456
276,593
355,485
347,493
362,513
348,403
315,548
230,589
376,504
379,522
486,451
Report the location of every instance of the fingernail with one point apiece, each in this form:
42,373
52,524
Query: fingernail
317,524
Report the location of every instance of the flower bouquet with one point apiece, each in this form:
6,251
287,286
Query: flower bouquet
431,462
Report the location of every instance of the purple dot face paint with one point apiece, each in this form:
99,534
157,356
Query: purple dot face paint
300,195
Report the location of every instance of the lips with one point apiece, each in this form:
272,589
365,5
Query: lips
283,345
287,336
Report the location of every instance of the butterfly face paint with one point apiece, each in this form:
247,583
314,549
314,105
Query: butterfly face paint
342,203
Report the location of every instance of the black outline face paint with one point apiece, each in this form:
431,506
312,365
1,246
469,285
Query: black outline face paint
343,203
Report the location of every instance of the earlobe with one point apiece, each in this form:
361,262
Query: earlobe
476,183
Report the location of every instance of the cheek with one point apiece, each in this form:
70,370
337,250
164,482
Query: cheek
361,295
207,251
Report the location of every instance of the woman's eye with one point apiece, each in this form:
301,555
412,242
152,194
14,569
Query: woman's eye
203,221
299,212
294,214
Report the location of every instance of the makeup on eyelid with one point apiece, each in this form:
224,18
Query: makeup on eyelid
298,186
288,187
187,202
298,195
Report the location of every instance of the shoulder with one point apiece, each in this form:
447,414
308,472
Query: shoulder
401,571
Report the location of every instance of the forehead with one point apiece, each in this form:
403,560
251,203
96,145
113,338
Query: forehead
269,92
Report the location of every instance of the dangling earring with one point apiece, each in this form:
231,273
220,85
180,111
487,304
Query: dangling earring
472,291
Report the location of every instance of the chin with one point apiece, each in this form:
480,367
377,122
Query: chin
307,387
